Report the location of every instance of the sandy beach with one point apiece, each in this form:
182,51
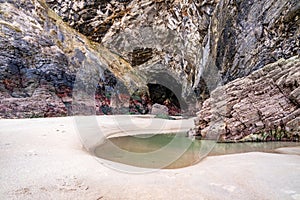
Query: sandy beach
45,159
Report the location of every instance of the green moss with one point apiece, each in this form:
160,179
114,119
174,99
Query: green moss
163,116
264,136
271,135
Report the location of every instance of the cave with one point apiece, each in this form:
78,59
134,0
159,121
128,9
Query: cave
164,96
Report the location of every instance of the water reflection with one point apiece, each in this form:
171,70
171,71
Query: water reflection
116,149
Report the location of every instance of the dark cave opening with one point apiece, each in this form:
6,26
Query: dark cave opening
164,96
112,97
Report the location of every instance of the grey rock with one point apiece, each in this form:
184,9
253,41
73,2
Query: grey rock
200,44
248,35
158,109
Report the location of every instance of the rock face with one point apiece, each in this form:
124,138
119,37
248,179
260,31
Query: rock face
263,106
155,37
63,57
41,103
40,57
33,68
248,34
213,41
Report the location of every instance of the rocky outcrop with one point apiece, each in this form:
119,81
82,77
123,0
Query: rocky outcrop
155,37
34,69
211,42
42,103
263,106
93,55
40,59
247,35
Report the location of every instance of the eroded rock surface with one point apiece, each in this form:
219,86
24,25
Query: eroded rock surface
40,57
34,69
213,41
249,34
190,47
42,103
263,106
156,37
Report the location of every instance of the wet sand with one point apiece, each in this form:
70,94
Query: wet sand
44,159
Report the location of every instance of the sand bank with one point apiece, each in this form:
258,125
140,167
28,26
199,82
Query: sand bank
44,159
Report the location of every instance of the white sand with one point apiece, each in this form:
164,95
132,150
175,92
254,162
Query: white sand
43,159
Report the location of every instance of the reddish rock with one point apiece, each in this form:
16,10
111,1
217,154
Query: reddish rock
263,106
41,104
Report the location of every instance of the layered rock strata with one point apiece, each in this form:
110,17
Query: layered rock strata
41,58
155,37
247,35
189,47
264,106
197,41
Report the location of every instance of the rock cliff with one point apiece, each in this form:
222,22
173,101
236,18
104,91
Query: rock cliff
263,106
158,38
40,58
247,35
195,42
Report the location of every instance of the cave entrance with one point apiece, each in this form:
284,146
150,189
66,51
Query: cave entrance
164,96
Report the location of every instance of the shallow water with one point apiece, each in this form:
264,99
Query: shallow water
172,151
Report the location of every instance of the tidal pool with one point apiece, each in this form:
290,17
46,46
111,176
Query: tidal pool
170,151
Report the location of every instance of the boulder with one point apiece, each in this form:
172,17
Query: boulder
158,109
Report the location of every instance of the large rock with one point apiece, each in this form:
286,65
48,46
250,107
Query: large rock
260,107
158,109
